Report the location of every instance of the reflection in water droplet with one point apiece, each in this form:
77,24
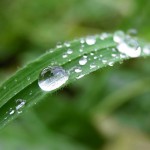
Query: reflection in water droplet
52,78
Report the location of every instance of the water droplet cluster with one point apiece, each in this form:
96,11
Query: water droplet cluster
52,77
19,104
127,45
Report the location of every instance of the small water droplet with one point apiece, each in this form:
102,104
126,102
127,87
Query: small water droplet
4,87
30,92
132,32
78,70
12,112
69,51
59,45
80,50
95,57
146,49
80,76
83,60
91,54
119,36
103,36
92,65
90,40
67,44
104,61
64,55
111,63
20,103
113,55
28,78
52,78
82,41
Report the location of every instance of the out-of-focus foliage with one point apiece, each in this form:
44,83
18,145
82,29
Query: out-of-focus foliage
71,119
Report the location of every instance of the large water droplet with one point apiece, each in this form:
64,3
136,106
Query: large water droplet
52,78
90,40
130,47
20,103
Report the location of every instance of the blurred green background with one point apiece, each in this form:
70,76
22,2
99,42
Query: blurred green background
107,110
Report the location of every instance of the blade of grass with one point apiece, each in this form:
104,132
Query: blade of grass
24,84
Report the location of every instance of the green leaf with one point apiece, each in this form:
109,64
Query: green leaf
24,84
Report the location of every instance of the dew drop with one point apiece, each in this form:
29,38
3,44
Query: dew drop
103,36
64,55
28,78
132,32
104,61
118,36
67,44
12,112
80,76
69,51
113,55
78,70
90,40
20,103
52,78
92,65
95,57
130,47
91,54
146,49
59,45
111,63
83,60
80,50
82,41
